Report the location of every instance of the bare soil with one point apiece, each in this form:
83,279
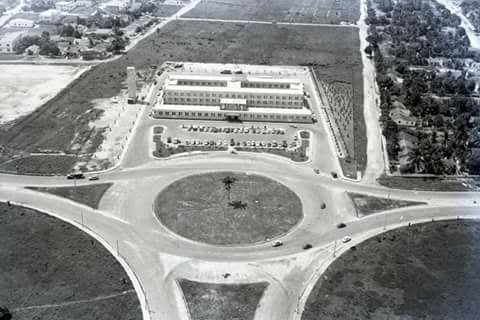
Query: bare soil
51,270
62,123
197,207
426,271
87,195
309,11
210,301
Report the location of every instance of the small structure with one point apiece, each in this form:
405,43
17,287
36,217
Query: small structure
132,84
402,116
21,23
7,42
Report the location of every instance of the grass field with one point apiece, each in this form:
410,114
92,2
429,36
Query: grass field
427,271
431,184
222,301
310,11
366,205
197,207
51,270
87,195
62,123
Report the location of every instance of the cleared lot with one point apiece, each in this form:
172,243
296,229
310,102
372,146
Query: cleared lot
62,123
27,87
310,11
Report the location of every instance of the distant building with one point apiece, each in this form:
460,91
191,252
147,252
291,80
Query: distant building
402,116
233,97
64,5
7,42
21,23
51,15
132,84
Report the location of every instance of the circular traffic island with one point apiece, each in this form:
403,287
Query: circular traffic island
228,208
426,271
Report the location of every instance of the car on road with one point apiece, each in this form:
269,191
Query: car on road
346,239
76,175
334,175
94,178
277,243
341,225
316,170
307,246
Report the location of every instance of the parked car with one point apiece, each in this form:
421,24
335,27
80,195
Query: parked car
94,178
307,246
334,175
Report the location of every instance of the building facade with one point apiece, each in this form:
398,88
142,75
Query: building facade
233,97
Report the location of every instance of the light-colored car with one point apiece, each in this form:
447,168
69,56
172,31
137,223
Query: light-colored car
346,239
277,243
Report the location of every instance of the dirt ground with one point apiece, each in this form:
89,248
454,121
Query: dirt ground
209,301
51,270
427,271
62,123
87,195
310,11
366,205
197,207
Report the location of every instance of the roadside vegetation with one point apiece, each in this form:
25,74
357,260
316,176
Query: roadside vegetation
222,301
51,270
88,195
425,271
366,205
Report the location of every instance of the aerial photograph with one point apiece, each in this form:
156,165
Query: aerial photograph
239,159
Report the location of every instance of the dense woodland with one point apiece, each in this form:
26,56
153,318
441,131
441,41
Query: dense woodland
423,61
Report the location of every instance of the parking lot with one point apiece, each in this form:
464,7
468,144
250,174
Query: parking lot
226,134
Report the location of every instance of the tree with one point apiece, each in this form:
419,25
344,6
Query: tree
369,50
67,31
228,181
5,314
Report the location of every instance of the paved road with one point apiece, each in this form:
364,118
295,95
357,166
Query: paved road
305,24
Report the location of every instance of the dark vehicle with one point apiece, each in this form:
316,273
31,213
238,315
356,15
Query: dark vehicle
94,178
226,72
71,176
307,246
341,225
334,175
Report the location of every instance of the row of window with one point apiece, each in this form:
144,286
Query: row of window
230,95
208,101
220,115
246,84
202,83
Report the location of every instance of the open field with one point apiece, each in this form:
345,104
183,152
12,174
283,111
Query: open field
27,87
366,205
222,301
51,270
201,208
63,123
87,195
310,11
426,271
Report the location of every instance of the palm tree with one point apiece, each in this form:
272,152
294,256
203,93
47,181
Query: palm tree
228,182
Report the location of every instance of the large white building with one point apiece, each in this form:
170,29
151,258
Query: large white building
233,97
